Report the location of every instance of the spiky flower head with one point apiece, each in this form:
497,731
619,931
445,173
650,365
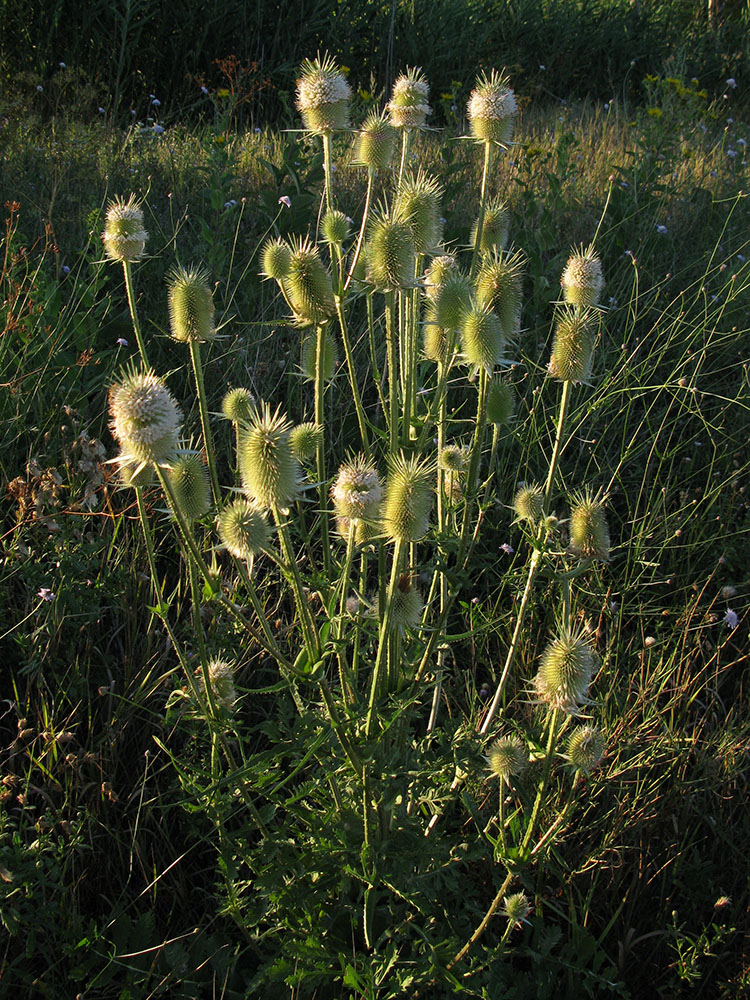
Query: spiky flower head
390,252
323,95
309,356
408,107
482,338
188,477
435,339
494,227
418,204
335,227
356,494
440,269
566,669
243,529
501,401
407,606
124,236
507,757
585,748
452,459
408,499
305,439
452,301
308,285
582,280
492,109
376,142
573,345
589,532
516,908
276,259
191,305
499,284
221,679
238,405
145,417
269,470
529,503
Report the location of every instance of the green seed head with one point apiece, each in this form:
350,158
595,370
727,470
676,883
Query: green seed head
573,345
276,259
221,679
238,405
335,227
498,287
145,417
494,228
435,342
418,204
589,532
507,758
585,748
407,606
567,667
582,280
441,268
452,301
492,109
323,96
516,908
124,236
243,529
376,142
529,503
308,285
191,305
501,402
452,459
356,494
408,107
188,476
309,356
305,439
482,338
408,499
269,470
390,253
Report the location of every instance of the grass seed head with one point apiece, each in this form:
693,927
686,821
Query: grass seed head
589,531
323,96
191,305
146,419
188,476
124,236
243,529
582,280
408,107
269,470
492,109
409,495
376,142
573,345
507,757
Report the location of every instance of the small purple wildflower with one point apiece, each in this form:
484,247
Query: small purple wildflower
46,594
285,200
730,619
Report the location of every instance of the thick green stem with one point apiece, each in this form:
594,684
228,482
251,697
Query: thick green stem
134,312
208,441
405,143
309,632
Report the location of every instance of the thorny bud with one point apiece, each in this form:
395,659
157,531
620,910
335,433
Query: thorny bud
356,494
418,205
582,280
408,499
529,503
567,667
191,305
305,439
243,529
585,748
572,346
589,532
507,757
376,142
145,417
238,405
269,470
188,477
309,356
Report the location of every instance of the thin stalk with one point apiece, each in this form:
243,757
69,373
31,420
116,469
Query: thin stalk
309,632
321,448
393,387
488,148
383,644
405,143
327,163
361,420
362,228
127,270
208,441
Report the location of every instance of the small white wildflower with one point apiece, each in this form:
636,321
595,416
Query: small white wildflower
507,549
649,641
661,229
742,142
46,594
62,65
285,200
204,89
728,591
156,102
730,619
121,342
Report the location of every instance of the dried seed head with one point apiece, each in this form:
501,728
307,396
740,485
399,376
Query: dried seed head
567,667
188,476
390,253
582,280
498,287
305,439
238,405
308,285
585,748
408,499
221,679
376,142
482,338
191,305
335,227
124,236
276,259
589,532
494,228
309,356
418,204
145,417
243,529
573,345
435,342
507,758
323,96
516,908
269,470
408,107
492,109
529,503
501,402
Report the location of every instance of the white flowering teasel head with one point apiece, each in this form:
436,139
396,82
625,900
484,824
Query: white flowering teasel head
124,236
356,494
492,109
582,280
323,96
408,107
146,420
566,670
